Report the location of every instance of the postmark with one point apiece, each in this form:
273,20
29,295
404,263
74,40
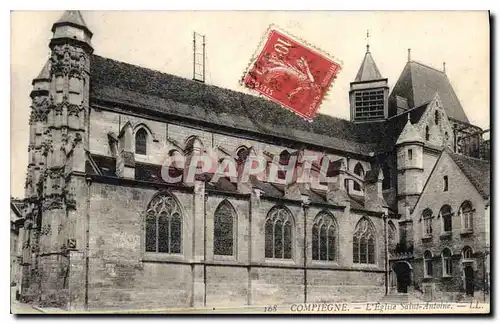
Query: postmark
291,73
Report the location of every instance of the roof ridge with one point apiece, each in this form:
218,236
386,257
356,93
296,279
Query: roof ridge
469,157
428,66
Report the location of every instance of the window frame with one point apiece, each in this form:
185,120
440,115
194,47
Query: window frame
361,241
427,217
234,226
325,220
428,259
141,130
446,213
282,214
445,183
467,217
446,263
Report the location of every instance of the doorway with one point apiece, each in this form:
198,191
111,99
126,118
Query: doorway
403,276
469,280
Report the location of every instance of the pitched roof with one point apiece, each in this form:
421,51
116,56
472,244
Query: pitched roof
368,69
418,83
155,92
44,73
409,134
476,170
71,17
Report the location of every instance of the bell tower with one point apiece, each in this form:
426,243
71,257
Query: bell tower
369,91
57,144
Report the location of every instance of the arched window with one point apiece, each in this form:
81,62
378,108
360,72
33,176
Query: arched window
466,212
224,221
163,225
360,172
427,264
467,253
141,139
446,214
436,117
278,234
363,242
447,264
386,183
284,159
427,134
193,144
392,235
324,238
427,217
242,154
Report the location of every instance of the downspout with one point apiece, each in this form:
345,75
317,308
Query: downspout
386,255
250,241
305,205
205,198
87,240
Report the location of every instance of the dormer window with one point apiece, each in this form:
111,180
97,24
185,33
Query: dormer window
141,138
284,159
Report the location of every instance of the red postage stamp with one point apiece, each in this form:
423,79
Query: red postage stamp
291,74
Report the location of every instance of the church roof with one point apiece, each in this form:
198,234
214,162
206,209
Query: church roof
368,69
476,170
418,83
73,18
153,92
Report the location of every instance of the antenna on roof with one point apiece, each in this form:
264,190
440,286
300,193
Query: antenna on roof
409,54
198,57
367,40
444,67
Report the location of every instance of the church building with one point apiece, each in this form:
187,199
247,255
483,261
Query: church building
102,229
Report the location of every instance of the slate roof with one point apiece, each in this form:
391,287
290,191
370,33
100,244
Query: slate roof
477,171
368,70
121,83
418,83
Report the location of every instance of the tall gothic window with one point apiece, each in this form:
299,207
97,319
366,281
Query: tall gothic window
360,172
278,234
466,212
141,138
324,238
163,225
224,220
445,214
447,264
427,218
363,243
427,264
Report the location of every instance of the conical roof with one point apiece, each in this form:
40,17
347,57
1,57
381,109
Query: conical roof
73,18
368,70
44,73
409,134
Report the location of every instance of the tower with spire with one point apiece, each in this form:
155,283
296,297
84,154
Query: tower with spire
57,143
369,91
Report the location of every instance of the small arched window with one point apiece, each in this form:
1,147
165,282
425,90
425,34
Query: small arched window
163,225
278,234
242,154
324,238
427,218
283,162
363,243
467,253
427,133
224,221
360,172
467,213
447,263
445,183
446,214
141,139
427,263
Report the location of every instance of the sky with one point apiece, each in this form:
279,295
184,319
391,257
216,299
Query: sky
162,40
